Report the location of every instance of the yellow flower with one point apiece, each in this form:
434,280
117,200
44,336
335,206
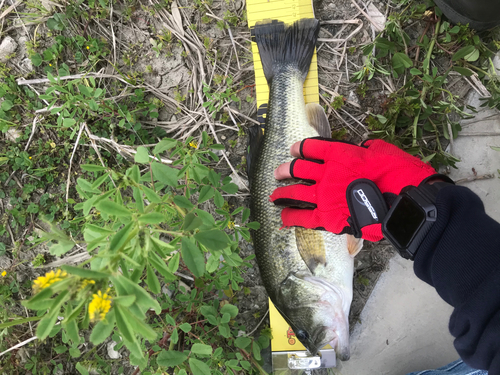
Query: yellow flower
230,225
99,306
4,273
88,47
86,282
193,144
52,144
50,278
30,157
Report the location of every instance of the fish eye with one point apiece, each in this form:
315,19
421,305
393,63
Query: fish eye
302,335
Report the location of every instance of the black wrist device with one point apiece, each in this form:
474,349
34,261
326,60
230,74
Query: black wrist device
411,217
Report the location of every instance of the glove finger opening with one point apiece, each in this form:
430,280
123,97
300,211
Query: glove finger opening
299,195
307,170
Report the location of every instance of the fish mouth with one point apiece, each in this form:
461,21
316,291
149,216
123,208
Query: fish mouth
342,349
343,352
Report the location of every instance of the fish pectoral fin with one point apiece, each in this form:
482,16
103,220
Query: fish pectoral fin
354,245
318,119
311,247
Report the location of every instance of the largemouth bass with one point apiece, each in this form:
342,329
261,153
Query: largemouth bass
307,273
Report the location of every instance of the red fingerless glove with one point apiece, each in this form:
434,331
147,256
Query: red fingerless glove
348,182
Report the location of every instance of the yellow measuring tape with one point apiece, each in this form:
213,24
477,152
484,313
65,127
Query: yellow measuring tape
287,11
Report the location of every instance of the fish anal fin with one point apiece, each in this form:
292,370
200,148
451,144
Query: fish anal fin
354,245
311,247
318,119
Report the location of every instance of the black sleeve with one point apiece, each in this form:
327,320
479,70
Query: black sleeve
461,259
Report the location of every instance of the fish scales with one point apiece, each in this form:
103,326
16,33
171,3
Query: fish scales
307,273
286,123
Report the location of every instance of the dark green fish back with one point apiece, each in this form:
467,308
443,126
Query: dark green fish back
276,250
286,54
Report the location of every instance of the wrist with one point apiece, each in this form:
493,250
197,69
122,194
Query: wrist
461,248
412,215
438,177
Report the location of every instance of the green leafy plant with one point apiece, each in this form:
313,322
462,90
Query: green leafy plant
216,99
144,232
157,46
422,105
79,48
338,102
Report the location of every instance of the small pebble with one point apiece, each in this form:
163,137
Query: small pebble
184,288
240,181
12,134
167,291
27,65
47,5
112,353
353,97
7,48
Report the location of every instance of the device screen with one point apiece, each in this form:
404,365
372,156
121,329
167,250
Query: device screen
405,220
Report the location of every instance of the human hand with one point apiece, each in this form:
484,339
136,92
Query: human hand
348,183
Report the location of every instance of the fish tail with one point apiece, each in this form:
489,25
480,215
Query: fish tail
281,45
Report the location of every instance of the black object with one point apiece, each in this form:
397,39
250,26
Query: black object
479,14
366,205
411,217
460,257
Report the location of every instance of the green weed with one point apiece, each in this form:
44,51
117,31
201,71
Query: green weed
217,99
338,102
146,226
423,105
136,247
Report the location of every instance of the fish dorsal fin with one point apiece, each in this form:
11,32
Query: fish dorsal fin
311,247
255,136
318,120
354,245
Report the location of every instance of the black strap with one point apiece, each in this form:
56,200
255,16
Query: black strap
437,176
366,204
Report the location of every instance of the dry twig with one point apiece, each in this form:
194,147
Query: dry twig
475,178
124,150
71,162
10,9
375,24
33,130
21,344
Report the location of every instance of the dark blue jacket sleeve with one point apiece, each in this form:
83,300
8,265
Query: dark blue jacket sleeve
460,257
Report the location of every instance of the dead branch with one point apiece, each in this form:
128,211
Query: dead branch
475,178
